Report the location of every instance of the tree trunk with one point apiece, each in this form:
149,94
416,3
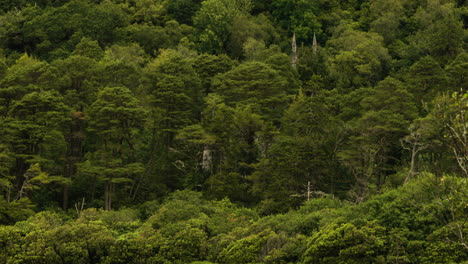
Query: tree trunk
412,164
294,51
74,153
207,163
93,189
107,196
8,194
65,197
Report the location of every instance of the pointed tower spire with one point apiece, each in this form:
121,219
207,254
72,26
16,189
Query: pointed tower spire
314,44
294,51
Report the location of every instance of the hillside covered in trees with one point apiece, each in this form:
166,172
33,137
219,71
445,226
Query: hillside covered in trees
234,131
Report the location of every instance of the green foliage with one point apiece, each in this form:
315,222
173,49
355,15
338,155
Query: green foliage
77,80
386,18
349,140
152,38
457,71
358,59
443,39
245,250
426,79
115,113
208,66
174,88
183,10
449,115
256,84
88,48
121,66
63,27
214,23
11,212
418,222
347,244
388,111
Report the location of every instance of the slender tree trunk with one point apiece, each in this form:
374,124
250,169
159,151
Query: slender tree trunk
106,196
20,170
379,181
414,146
207,163
137,188
112,191
412,164
65,197
294,51
74,153
8,194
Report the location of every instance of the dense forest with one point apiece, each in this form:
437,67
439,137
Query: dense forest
233,131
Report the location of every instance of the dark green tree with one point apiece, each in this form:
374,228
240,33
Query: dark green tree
426,79
208,66
34,133
357,59
257,84
60,29
303,155
374,145
214,21
457,71
114,118
175,102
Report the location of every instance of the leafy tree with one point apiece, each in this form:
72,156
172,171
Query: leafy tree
257,84
208,66
175,101
186,245
33,178
312,64
244,250
213,23
122,102
210,137
233,149
6,180
183,10
64,26
88,48
77,81
426,79
449,115
386,18
357,59
247,27
349,243
122,66
300,156
389,109
13,39
34,130
26,75
150,12
115,117
457,71
152,38
12,212
300,17
37,238
280,62
174,87
441,31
